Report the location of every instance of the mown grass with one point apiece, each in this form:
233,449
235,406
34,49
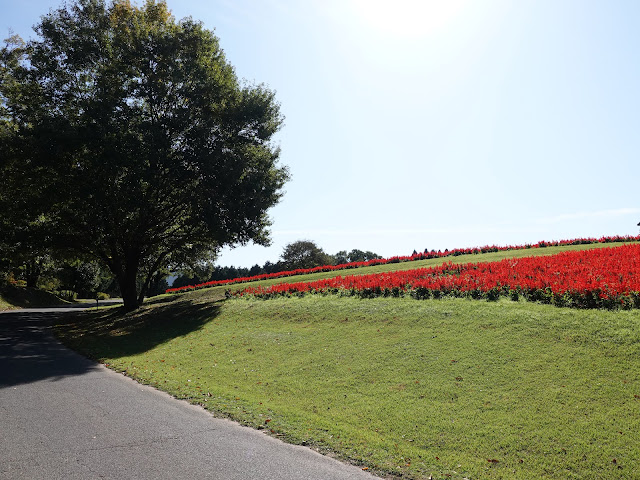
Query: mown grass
12,297
5,305
454,387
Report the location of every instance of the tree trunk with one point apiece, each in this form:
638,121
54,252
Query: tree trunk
127,278
128,289
32,273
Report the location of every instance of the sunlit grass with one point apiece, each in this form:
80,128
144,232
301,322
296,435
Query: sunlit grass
456,387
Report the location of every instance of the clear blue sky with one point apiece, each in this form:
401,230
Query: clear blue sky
437,124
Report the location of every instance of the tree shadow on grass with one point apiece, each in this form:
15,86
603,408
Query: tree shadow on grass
113,333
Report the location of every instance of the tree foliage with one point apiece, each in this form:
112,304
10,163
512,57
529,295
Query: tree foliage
355,255
304,254
129,136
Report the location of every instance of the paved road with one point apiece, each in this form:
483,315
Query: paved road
65,417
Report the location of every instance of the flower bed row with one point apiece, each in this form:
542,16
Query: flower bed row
597,278
408,258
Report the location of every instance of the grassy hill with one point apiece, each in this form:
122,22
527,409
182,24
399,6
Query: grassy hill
12,297
453,388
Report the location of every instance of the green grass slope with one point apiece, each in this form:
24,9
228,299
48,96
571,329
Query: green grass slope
12,297
452,388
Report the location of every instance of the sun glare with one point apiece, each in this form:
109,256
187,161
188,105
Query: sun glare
408,18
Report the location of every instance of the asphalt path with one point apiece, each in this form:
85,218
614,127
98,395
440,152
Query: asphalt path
63,416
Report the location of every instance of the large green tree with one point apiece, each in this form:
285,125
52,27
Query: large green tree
128,134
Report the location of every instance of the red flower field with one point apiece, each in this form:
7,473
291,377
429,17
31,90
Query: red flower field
407,258
596,278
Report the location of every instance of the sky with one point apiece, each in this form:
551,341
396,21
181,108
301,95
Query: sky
422,124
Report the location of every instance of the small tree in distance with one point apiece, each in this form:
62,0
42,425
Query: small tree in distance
354,255
304,254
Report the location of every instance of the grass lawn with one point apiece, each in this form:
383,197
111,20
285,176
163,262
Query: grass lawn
5,305
455,388
12,297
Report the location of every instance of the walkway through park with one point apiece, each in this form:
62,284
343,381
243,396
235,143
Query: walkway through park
65,417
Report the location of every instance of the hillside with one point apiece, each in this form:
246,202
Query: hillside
451,387
456,256
12,297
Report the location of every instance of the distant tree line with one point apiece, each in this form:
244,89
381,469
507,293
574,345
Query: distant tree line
75,277
69,278
299,254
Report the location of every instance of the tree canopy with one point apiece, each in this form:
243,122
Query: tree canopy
355,255
126,136
304,254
